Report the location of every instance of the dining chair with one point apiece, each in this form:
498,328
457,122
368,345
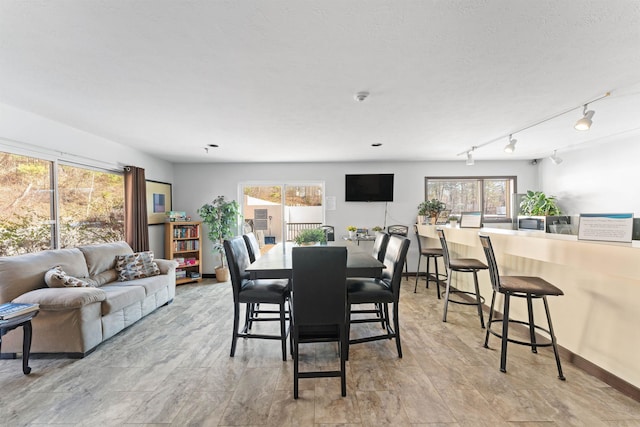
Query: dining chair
430,254
318,304
248,292
400,230
380,245
461,265
382,290
528,287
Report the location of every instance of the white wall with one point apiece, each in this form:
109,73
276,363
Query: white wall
25,133
197,184
597,179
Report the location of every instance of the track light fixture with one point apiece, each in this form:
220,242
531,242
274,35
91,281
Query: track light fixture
555,159
511,146
585,122
470,161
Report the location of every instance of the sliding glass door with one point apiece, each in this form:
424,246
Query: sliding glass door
276,212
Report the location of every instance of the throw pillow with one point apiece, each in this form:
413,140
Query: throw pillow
57,278
135,266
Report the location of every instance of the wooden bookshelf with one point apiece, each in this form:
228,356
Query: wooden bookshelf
183,243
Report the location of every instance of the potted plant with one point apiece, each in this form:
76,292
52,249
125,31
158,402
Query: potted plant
376,228
352,231
311,237
221,216
536,203
431,208
453,220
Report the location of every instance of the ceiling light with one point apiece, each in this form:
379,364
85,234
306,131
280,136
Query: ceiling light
511,146
361,96
470,161
555,159
585,122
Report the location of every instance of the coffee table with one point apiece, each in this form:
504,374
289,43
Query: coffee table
15,322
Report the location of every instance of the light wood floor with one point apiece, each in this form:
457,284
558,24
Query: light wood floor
173,367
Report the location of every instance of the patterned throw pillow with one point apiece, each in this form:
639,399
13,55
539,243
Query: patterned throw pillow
57,278
135,266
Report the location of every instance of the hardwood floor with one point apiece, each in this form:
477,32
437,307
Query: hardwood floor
173,368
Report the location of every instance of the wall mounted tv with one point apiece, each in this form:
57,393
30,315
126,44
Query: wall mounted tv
369,188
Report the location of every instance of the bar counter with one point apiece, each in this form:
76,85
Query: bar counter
597,319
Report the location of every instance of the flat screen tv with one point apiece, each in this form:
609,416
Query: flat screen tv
369,187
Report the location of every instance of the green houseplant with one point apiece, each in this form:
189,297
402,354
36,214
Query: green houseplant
221,217
536,203
431,208
311,236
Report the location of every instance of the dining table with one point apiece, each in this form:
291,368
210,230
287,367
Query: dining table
276,263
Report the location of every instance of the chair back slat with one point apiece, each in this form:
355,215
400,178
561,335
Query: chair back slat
318,285
394,258
401,230
237,256
253,247
380,245
445,248
491,261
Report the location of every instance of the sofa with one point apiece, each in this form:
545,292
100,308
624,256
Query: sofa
85,311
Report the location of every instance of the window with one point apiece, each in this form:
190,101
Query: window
86,206
489,195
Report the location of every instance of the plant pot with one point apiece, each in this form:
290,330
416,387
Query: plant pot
453,224
222,274
352,234
433,220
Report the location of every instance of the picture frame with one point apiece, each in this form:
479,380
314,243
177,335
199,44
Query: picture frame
443,217
471,219
159,201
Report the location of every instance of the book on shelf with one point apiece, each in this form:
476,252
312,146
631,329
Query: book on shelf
9,310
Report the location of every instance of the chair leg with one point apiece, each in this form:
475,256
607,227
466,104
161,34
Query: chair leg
348,331
532,325
435,261
343,343
428,271
486,337
505,332
283,331
478,301
247,318
446,297
553,339
294,334
415,288
236,319
396,325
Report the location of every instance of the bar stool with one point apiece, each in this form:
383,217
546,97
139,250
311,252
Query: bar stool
430,253
522,287
461,265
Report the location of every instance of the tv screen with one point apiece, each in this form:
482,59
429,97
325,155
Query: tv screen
369,188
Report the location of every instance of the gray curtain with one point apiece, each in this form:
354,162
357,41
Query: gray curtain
136,224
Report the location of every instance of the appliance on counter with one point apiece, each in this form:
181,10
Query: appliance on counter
551,224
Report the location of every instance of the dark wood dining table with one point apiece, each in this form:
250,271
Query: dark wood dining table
276,263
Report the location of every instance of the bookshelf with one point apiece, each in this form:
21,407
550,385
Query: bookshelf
183,243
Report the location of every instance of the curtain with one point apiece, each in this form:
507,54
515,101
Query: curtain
136,224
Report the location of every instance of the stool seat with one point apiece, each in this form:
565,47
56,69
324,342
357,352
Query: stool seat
431,251
528,285
466,264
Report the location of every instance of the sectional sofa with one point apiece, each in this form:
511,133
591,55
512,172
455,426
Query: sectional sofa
82,313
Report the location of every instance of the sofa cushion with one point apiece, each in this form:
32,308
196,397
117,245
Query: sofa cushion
62,298
107,276
23,273
151,285
136,266
57,278
119,297
102,257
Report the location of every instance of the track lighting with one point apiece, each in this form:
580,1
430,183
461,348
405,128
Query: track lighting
470,161
585,122
555,159
511,146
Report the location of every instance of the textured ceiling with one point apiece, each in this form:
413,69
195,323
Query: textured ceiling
275,80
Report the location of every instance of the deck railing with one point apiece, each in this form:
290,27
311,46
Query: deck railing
293,228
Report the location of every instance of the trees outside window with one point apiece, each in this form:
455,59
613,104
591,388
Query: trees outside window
86,206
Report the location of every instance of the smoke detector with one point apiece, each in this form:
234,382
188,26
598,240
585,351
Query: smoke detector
361,96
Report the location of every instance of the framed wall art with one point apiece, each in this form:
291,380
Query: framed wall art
158,201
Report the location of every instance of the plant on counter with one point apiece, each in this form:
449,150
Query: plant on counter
376,228
536,203
352,228
431,208
310,236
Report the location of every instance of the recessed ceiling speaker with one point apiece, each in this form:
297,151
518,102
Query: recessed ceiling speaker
361,96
